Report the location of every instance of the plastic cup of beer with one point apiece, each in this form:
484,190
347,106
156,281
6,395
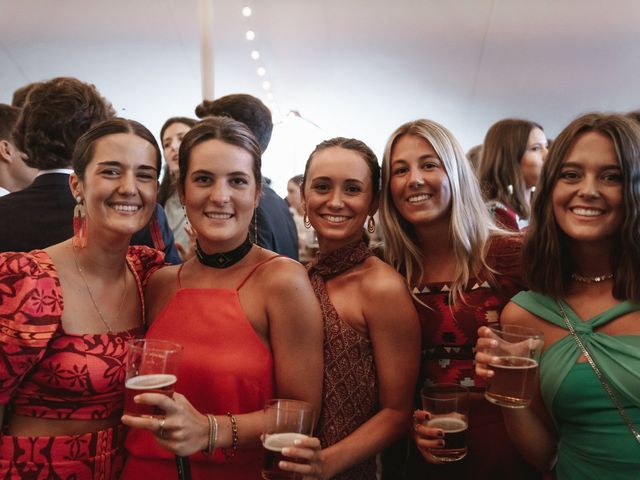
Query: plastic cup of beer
516,368
151,367
285,422
448,405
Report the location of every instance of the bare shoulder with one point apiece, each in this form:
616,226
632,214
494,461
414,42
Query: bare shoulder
162,280
380,278
281,273
515,314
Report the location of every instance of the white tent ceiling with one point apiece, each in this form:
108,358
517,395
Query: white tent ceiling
354,67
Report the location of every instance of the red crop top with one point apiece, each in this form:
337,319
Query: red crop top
45,372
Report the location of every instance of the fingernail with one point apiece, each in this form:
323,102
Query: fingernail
282,464
297,441
494,343
441,434
285,451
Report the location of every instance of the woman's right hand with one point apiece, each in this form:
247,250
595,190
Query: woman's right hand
425,437
486,342
307,449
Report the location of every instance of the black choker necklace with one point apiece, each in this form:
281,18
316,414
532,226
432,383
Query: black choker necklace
225,259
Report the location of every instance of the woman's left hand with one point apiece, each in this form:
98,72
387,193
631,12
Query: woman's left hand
183,430
309,451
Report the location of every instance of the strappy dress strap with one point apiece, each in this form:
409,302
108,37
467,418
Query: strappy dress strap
178,276
255,267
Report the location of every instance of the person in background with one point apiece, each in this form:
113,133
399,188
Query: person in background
171,135
307,242
462,270
474,155
14,173
512,157
56,114
21,94
275,228
582,259
371,329
67,311
264,340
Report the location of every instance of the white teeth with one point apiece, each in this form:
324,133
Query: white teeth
587,212
419,198
219,216
336,219
125,208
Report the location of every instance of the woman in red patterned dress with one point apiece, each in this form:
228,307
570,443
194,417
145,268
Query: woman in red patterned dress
66,312
462,270
371,331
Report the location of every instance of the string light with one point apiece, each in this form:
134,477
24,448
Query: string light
261,71
246,11
255,54
266,85
250,35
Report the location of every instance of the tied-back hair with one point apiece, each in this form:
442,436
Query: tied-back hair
546,250
354,145
471,226
226,130
504,146
85,146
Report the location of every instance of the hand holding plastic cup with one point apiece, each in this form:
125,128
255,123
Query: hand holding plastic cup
151,367
285,422
448,405
515,367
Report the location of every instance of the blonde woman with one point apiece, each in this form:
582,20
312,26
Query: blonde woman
462,270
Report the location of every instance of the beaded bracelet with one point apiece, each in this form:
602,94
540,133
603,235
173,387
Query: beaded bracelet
213,434
229,453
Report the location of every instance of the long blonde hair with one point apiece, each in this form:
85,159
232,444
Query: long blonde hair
471,226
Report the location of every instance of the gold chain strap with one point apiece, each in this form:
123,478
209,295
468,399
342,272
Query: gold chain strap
596,369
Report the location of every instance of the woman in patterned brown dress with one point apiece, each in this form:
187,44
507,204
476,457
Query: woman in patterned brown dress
371,345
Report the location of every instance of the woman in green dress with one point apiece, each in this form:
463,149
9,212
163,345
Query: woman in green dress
582,263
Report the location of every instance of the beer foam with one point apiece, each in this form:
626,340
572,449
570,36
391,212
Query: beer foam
521,363
277,441
448,424
148,382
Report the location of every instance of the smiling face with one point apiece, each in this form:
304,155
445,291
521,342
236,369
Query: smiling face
119,185
419,184
588,197
534,156
171,140
338,196
220,194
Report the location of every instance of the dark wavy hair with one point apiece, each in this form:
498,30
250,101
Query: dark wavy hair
242,108
504,146
8,118
225,130
168,184
84,149
21,94
55,116
546,255
354,145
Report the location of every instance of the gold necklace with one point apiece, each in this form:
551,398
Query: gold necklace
596,279
93,300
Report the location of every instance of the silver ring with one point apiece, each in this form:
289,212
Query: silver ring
161,428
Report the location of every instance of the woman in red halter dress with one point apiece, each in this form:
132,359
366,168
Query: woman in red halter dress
67,311
246,317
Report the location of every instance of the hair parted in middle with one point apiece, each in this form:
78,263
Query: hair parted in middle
546,254
85,146
471,226
226,130
167,185
504,146
355,145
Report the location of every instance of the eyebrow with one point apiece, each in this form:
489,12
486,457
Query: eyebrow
610,166
116,163
428,156
328,179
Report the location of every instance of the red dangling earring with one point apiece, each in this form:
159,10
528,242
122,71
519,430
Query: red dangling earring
156,234
79,225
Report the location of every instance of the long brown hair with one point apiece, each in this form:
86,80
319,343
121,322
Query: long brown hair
546,255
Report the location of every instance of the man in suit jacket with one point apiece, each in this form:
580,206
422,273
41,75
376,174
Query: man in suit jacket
276,229
56,114
14,173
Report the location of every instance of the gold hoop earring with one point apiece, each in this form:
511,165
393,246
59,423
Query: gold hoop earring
305,220
371,225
